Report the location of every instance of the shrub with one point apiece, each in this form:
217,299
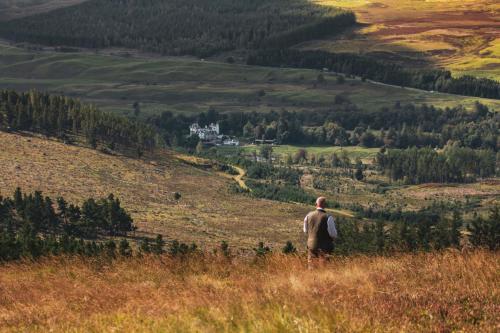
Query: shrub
224,248
124,248
289,248
157,247
261,250
286,193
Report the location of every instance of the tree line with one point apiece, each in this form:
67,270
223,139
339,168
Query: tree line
344,124
420,231
425,165
179,27
61,116
32,224
369,68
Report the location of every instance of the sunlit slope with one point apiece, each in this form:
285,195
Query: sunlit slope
207,212
462,36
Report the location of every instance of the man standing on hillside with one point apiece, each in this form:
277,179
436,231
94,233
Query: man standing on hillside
321,231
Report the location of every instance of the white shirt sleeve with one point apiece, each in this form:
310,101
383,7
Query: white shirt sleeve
305,223
332,230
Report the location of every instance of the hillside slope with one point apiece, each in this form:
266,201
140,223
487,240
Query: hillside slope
12,9
196,27
207,213
178,84
460,35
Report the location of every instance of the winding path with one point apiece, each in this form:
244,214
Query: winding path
198,160
239,177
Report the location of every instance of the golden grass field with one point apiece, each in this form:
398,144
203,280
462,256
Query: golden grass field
426,292
460,35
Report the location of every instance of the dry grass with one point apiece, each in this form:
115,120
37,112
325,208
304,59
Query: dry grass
440,292
486,188
206,214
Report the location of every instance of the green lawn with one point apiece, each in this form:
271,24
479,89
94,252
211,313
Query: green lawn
190,85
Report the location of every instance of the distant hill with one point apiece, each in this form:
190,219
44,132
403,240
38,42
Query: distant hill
460,36
12,9
177,27
190,86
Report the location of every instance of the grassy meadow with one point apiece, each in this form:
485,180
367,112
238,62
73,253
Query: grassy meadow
366,154
115,81
462,36
439,292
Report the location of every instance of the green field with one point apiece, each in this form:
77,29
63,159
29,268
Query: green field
283,150
115,82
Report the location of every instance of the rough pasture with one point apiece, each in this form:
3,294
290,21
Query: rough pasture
438,292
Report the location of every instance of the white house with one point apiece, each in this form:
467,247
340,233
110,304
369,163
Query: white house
231,142
211,135
207,133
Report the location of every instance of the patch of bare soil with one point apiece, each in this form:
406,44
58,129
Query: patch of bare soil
306,180
377,5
